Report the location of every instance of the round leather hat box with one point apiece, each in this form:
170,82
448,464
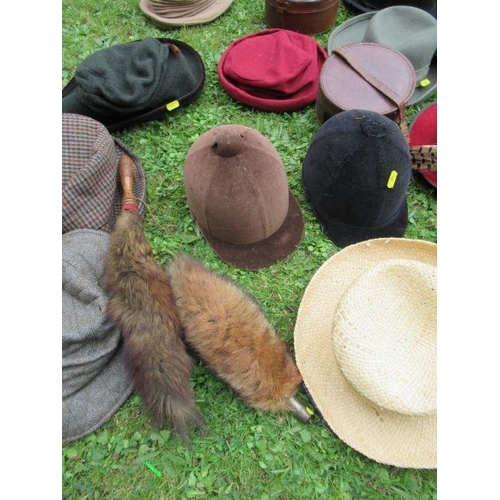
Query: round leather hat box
308,17
368,76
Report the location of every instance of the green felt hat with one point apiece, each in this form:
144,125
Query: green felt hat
409,30
130,83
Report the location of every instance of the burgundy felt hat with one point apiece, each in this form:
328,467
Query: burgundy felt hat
423,133
238,194
272,70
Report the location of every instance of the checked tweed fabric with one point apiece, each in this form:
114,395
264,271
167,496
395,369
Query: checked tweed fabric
91,190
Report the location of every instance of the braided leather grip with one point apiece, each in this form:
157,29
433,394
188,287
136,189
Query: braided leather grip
126,173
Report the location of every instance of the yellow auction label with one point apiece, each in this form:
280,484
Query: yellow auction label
172,105
392,179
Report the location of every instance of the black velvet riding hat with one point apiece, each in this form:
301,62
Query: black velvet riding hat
134,82
355,174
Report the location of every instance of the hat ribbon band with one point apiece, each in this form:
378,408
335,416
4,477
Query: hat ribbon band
382,88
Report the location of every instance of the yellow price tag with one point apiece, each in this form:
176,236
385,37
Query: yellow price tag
172,105
424,82
392,179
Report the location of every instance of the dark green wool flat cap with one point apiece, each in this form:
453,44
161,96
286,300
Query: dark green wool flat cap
131,83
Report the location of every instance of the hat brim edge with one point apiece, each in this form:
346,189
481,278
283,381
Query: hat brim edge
343,235
372,432
116,371
255,256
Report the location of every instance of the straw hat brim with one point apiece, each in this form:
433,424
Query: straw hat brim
211,13
383,436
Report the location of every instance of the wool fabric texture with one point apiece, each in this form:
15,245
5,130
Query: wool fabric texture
272,70
355,174
238,194
132,82
91,189
95,382
409,30
423,132
366,346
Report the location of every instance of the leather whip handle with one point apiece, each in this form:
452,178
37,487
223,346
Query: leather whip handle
126,173
381,87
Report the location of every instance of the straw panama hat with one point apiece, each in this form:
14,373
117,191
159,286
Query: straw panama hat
365,343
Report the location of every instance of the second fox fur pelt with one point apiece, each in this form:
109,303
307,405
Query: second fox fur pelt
228,330
142,303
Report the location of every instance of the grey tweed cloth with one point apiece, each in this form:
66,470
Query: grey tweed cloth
95,382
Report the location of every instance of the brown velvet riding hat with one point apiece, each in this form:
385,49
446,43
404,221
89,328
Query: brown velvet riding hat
238,194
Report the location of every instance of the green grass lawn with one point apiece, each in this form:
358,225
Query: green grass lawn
245,454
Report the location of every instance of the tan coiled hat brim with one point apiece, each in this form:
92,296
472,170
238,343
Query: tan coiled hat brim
213,10
386,436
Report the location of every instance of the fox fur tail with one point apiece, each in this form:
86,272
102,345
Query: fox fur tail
228,330
142,304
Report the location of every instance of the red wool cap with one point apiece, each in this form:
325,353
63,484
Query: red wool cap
272,70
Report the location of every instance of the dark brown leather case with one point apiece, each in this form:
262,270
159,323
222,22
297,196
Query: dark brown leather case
377,78
307,17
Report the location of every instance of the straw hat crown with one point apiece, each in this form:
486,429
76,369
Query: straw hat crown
385,343
366,346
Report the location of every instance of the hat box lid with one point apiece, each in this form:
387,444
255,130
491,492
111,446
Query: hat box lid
341,86
308,17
